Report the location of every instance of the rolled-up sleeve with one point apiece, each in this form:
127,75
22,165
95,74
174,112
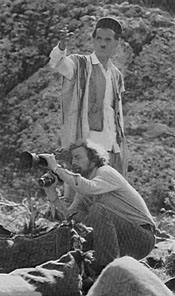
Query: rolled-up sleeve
61,63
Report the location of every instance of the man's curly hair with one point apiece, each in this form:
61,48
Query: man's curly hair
95,153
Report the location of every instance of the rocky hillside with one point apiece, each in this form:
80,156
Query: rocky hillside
30,91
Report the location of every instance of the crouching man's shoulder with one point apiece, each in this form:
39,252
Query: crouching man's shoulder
108,170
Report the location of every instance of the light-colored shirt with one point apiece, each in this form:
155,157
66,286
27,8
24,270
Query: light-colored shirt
109,187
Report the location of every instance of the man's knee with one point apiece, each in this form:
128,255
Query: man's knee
98,215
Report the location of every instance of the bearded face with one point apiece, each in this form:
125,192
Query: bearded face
80,162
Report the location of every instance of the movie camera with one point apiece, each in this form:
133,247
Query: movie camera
30,160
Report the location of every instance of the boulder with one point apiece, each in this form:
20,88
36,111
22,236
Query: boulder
128,277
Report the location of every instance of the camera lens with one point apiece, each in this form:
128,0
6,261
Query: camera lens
26,160
46,180
29,160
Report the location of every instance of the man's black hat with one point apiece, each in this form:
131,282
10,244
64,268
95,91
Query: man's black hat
109,22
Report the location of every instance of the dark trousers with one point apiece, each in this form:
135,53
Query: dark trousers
113,236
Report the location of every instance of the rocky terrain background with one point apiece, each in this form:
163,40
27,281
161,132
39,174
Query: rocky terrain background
30,91
30,97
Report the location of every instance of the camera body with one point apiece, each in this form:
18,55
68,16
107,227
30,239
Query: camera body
46,180
30,160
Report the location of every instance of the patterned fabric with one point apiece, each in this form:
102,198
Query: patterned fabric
74,104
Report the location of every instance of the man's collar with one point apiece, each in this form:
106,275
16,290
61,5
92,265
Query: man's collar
96,61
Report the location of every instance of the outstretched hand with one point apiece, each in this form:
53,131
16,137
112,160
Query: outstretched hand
64,36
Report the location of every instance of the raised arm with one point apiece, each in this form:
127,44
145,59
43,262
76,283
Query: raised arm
59,60
104,181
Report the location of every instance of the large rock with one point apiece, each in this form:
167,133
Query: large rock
56,277
127,277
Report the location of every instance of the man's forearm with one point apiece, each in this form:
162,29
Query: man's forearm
62,63
55,56
97,185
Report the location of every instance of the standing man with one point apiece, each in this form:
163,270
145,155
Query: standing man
91,93
122,224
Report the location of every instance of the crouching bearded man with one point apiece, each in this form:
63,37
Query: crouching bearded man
104,200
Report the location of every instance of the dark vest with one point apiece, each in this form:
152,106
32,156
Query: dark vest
97,87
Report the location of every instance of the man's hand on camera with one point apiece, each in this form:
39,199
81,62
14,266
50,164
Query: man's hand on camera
51,191
51,161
